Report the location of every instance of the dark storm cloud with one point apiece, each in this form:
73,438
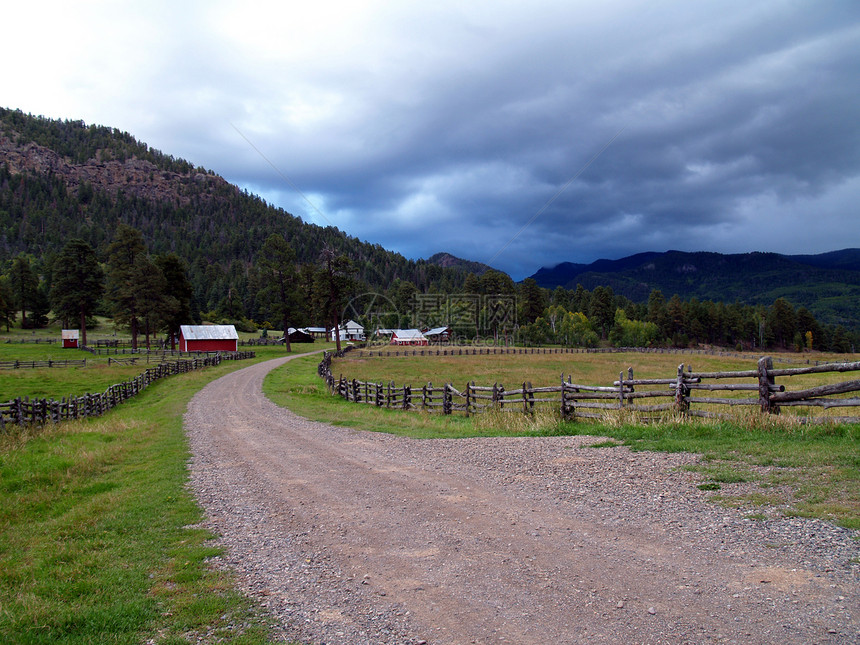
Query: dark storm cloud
715,112
450,126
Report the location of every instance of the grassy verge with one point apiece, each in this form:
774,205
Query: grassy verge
811,471
99,540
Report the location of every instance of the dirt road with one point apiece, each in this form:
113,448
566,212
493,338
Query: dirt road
355,537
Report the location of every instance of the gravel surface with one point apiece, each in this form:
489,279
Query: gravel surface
351,537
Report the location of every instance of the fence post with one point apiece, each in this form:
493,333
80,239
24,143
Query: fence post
446,398
407,397
568,401
468,397
765,381
630,386
563,401
681,392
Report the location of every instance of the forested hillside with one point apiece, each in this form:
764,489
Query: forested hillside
64,179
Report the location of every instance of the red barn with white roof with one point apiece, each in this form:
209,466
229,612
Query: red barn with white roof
208,338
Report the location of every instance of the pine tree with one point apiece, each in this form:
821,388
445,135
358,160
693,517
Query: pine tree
123,286
25,284
277,266
178,294
334,281
77,284
7,304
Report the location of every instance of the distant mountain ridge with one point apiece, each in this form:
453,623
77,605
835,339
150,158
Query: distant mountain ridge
828,284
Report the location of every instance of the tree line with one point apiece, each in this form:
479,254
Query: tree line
585,318
151,294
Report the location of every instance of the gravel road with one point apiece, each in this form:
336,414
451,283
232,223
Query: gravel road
350,537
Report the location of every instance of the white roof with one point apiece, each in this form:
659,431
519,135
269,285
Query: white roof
209,332
435,331
409,334
315,329
351,324
70,334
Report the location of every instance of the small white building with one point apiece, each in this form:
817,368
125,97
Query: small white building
350,330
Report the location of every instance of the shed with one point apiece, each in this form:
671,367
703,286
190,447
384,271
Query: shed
316,332
438,334
70,338
300,336
208,338
408,337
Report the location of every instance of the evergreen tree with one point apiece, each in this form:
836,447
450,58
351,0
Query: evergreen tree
77,284
24,284
601,311
123,275
561,298
580,300
807,324
657,312
7,304
781,321
178,294
277,267
334,281
532,301
154,307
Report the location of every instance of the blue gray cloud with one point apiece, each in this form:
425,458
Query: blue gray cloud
439,127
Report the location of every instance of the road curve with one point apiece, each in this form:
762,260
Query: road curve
355,537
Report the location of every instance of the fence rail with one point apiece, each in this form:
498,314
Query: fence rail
24,411
128,357
16,365
627,393
440,350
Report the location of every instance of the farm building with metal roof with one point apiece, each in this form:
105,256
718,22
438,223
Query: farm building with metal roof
208,338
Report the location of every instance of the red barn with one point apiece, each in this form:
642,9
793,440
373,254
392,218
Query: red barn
208,338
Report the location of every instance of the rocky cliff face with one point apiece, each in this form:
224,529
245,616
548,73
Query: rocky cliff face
133,176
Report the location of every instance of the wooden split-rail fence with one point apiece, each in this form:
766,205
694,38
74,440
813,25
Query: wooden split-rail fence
679,394
24,411
17,365
388,352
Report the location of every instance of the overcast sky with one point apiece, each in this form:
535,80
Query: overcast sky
521,134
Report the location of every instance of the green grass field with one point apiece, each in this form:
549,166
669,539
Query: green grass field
99,539
818,464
